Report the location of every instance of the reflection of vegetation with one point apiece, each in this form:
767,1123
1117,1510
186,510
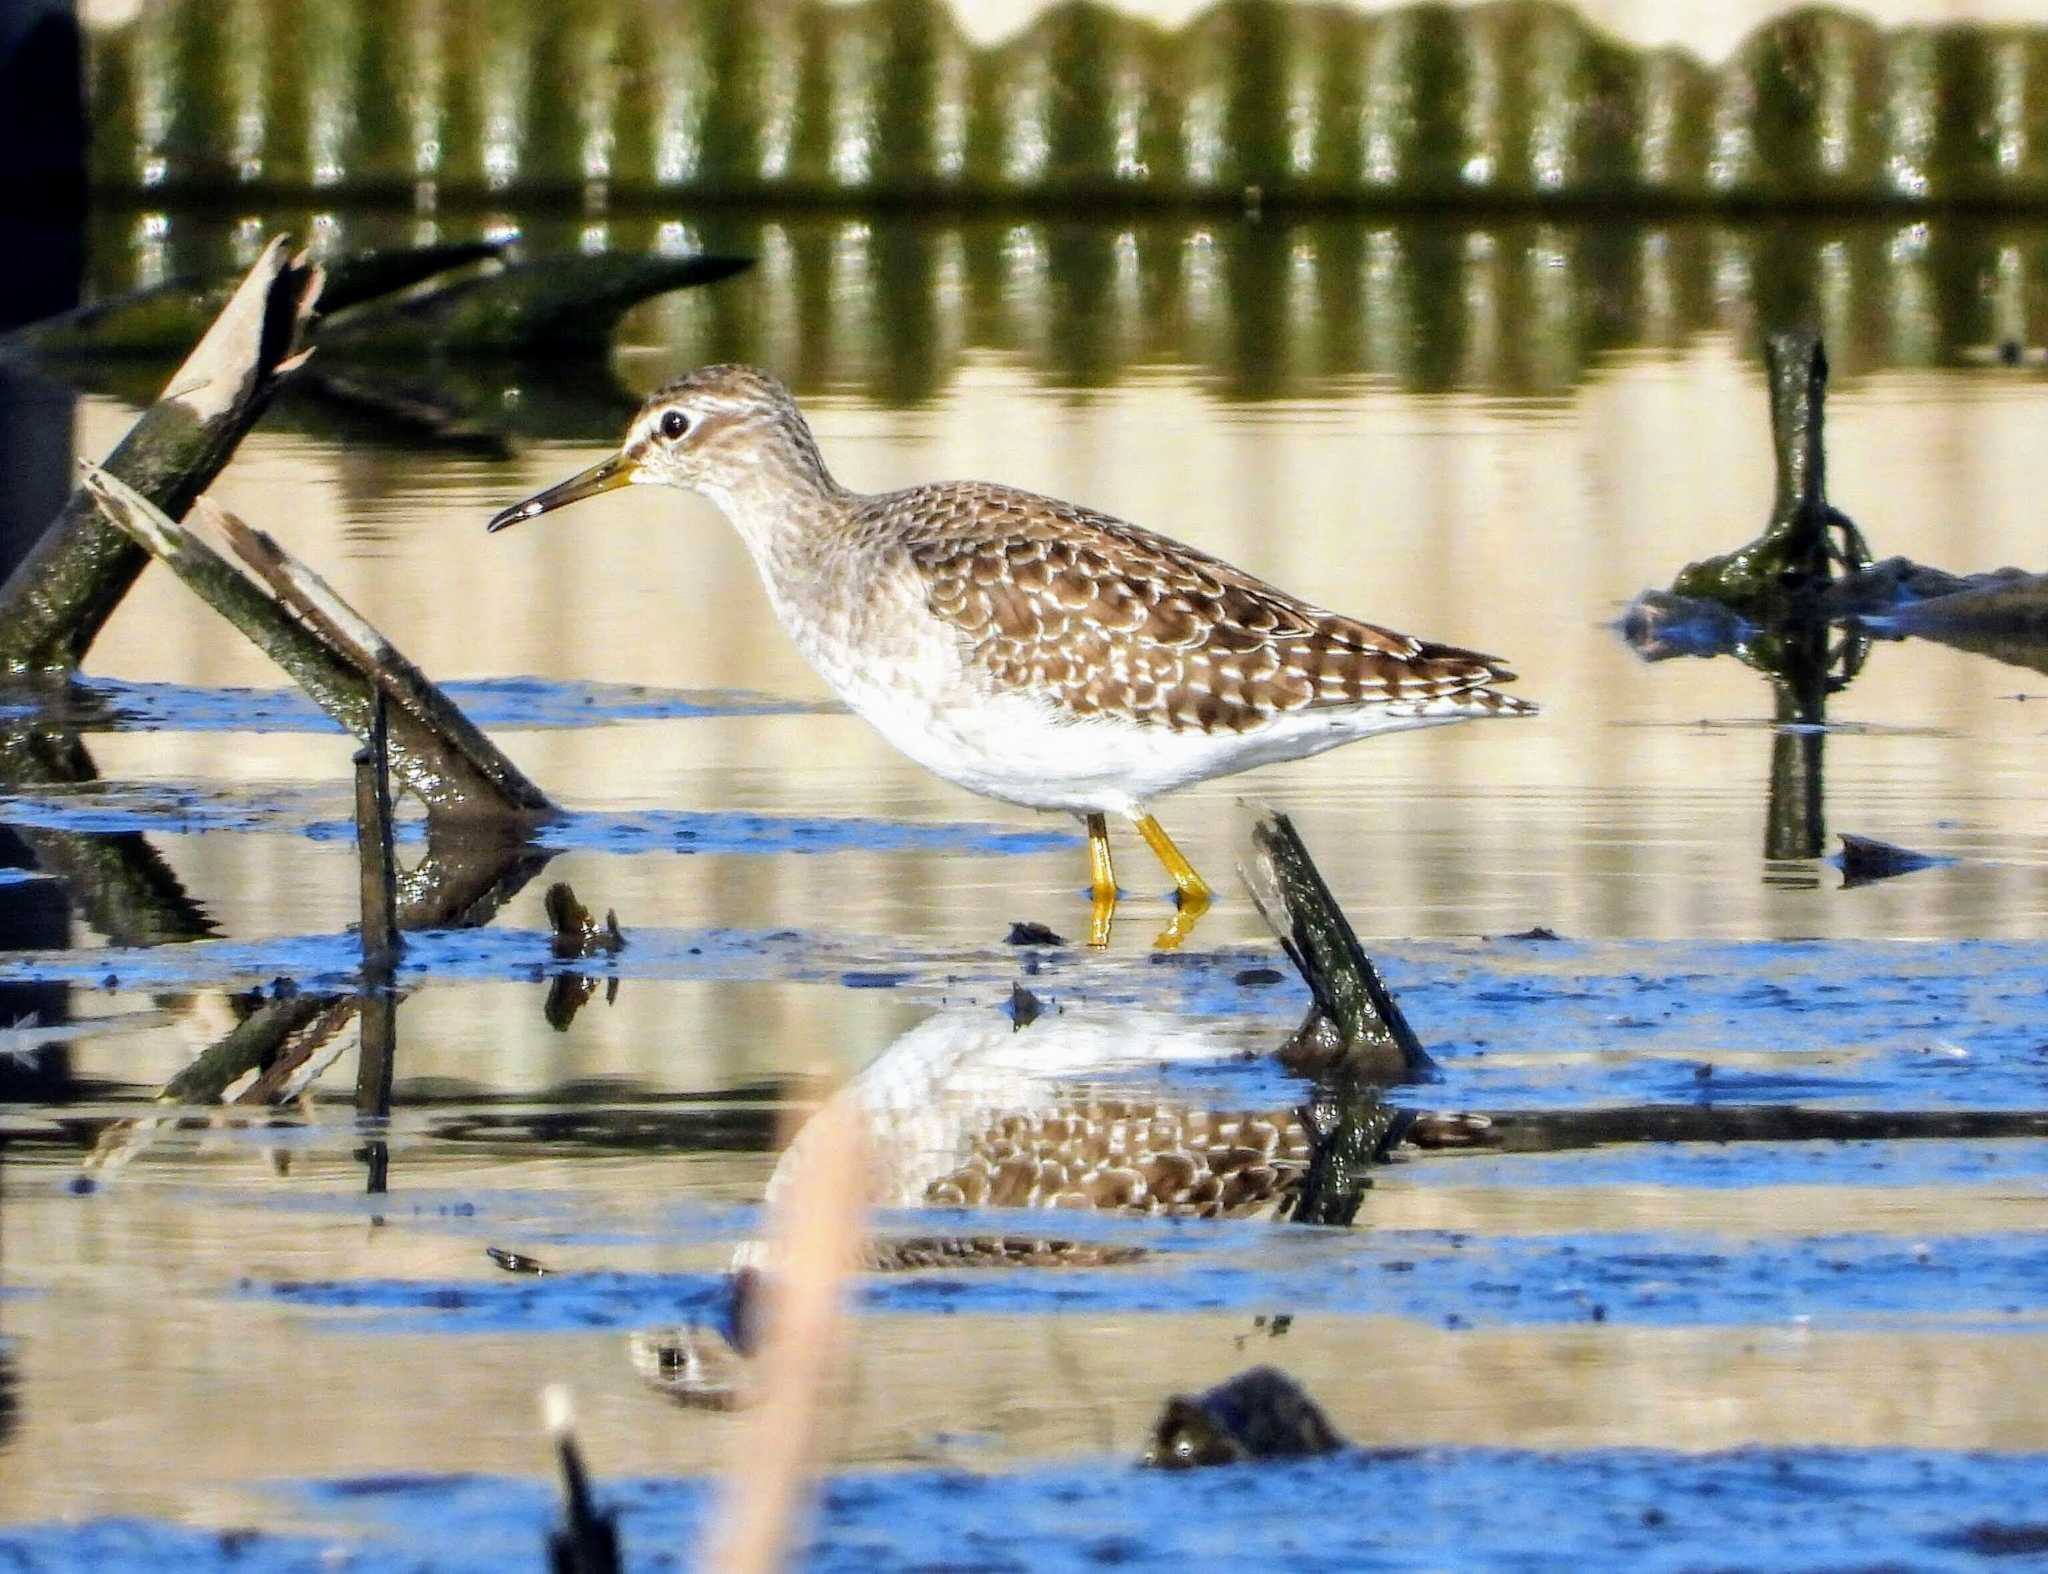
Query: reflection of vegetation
1354,1030
460,884
130,895
893,307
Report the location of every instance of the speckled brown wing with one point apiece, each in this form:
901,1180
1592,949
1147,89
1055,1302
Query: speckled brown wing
1108,619
1119,1156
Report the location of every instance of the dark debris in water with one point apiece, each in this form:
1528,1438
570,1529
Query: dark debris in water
1865,859
1025,1008
1993,1538
516,1262
1262,1414
577,933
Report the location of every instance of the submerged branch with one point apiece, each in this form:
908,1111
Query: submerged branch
342,663
1552,1131
1356,1028
460,885
129,893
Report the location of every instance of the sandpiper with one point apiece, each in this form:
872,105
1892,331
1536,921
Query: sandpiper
1026,648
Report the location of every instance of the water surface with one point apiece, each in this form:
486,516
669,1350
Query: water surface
1489,434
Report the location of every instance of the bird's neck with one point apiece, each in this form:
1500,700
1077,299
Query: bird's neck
781,497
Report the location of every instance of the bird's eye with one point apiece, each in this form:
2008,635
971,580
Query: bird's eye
673,424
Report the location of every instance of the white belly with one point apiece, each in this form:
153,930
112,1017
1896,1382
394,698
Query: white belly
915,690
1010,746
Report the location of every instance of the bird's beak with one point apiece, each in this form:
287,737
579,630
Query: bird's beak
607,476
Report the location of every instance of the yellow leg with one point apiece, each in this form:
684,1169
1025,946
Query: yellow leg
1101,881
1191,890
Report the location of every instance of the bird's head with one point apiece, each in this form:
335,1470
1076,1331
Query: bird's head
719,431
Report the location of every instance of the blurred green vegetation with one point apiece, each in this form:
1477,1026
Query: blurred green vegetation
631,102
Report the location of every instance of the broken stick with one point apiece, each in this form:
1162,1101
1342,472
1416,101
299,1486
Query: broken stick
59,597
332,652
1355,1026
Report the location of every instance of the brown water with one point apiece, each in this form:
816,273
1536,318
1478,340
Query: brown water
1506,469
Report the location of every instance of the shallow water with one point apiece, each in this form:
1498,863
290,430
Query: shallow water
1491,435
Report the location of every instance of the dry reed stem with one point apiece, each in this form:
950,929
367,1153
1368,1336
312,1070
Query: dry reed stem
815,1238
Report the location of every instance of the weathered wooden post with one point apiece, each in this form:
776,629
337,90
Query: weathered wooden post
378,998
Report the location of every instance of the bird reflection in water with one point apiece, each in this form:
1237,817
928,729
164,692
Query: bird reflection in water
967,1111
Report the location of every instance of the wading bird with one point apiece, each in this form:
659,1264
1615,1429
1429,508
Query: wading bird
1025,648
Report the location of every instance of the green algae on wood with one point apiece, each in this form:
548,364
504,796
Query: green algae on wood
169,317
1785,570
63,591
565,305
1355,1030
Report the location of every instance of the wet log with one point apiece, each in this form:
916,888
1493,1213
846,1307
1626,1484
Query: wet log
553,306
1555,1131
376,863
164,319
1355,1029
333,653
1783,573
1771,602
54,604
377,1001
